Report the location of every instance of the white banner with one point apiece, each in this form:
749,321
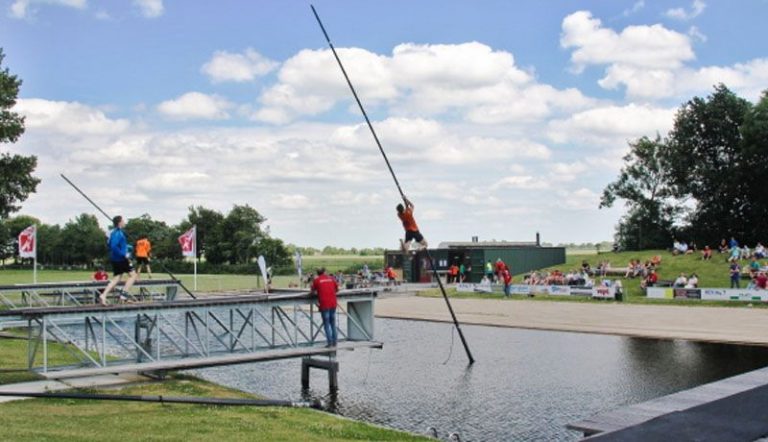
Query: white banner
28,242
466,287
602,292
714,294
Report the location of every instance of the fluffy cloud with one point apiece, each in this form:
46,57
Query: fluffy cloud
295,201
238,67
150,8
610,125
196,105
68,118
482,84
520,182
25,8
697,7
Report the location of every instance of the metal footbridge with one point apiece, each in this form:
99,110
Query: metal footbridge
164,335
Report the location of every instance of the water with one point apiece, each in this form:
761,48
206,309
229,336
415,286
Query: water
526,385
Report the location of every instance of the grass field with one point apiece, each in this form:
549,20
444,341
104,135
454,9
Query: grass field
205,283
713,273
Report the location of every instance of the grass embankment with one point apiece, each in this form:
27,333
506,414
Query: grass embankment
711,274
205,283
64,420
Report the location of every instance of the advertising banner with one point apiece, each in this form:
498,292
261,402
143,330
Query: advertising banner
602,292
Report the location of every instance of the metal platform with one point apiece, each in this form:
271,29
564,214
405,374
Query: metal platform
78,293
182,334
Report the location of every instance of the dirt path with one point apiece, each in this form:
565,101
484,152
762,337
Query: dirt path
712,324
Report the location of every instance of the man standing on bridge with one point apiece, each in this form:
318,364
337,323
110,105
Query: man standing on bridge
325,287
143,252
118,254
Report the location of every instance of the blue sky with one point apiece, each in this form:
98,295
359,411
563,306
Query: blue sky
502,118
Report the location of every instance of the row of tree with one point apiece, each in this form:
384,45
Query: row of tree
233,238
703,182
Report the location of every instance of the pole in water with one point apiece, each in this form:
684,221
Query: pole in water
394,177
106,215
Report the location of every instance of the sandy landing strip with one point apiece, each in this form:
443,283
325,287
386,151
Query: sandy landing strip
710,324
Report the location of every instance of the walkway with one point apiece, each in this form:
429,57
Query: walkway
710,324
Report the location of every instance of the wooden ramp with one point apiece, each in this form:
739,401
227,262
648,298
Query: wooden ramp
225,359
621,418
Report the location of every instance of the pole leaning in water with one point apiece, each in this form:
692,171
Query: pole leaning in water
394,177
106,215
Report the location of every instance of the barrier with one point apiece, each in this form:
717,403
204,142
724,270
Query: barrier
707,294
598,292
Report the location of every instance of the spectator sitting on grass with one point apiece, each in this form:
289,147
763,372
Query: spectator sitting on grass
650,280
586,268
735,254
676,247
754,267
681,281
760,251
745,252
706,254
723,248
761,281
630,269
693,282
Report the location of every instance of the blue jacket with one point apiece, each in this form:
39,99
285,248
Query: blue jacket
118,245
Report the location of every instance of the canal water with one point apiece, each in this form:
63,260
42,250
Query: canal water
525,385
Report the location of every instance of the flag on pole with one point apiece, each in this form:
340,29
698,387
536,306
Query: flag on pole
188,242
28,242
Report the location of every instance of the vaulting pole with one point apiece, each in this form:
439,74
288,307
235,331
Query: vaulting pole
110,220
394,177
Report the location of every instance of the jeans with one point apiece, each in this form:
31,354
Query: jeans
329,325
507,289
735,283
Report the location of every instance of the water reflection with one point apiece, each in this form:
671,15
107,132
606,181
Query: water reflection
526,384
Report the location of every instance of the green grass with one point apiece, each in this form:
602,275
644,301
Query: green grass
77,420
71,420
713,273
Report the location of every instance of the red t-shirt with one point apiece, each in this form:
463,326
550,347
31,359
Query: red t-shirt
100,276
408,222
653,278
499,266
761,281
507,276
325,287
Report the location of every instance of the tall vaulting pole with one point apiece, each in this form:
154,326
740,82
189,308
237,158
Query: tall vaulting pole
397,183
106,215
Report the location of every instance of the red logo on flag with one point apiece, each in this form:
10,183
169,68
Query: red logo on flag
187,241
28,242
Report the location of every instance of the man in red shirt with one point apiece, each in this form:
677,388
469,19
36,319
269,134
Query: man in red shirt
761,281
325,288
405,213
506,276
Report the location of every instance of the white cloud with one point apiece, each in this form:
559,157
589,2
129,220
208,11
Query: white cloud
196,105
697,7
481,84
176,182
68,118
291,201
696,34
527,182
150,8
650,47
238,67
579,199
610,125
26,8
636,7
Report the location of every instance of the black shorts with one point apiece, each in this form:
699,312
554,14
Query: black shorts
120,267
142,260
411,235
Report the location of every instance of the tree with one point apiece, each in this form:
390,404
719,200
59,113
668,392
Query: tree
274,251
754,132
50,249
705,162
6,246
240,234
16,180
83,241
643,184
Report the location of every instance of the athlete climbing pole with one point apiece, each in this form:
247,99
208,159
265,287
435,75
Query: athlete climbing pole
397,183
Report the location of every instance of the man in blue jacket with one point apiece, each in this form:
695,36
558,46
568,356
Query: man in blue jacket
118,255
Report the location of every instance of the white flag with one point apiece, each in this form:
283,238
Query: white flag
28,242
188,241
